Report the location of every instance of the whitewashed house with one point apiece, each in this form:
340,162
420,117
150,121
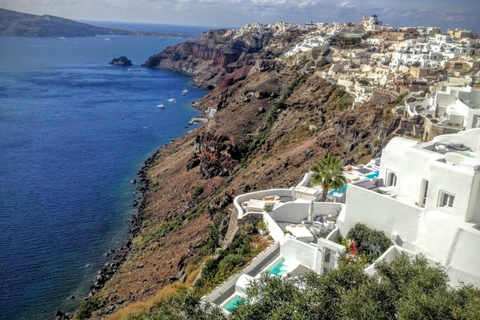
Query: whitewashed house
458,106
427,199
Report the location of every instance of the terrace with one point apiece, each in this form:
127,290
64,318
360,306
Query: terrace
304,221
259,201
377,185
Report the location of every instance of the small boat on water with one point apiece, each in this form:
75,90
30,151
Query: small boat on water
184,91
161,106
172,99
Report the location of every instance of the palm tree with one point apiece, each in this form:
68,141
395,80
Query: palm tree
329,174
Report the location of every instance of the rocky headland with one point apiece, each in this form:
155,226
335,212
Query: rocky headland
274,118
18,24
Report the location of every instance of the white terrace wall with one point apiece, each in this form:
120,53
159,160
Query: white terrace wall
273,228
258,195
463,254
291,212
292,249
295,212
306,180
380,212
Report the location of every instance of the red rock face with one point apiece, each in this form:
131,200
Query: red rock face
216,155
235,76
217,54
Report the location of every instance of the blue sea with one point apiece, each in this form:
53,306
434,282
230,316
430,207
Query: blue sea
73,132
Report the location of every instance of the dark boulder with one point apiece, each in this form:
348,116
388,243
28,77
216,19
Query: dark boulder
122,61
59,315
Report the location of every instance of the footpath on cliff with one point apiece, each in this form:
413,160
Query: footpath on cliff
274,119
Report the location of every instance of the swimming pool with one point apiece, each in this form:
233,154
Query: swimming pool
278,268
341,190
372,175
233,303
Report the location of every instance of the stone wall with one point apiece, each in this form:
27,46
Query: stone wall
432,130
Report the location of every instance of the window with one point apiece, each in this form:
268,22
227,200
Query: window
446,199
391,179
423,194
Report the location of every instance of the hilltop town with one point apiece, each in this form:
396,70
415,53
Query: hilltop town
434,73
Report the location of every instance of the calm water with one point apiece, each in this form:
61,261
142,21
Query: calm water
73,132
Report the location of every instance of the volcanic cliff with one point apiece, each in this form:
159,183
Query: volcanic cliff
274,118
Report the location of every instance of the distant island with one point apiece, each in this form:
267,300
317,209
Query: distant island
13,23
122,62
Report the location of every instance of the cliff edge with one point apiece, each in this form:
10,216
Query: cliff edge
274,118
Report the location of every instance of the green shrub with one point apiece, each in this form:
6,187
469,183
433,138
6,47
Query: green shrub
197,191
228,264
86,308
370,243
261,225
249,228
210,243
399,99
217,270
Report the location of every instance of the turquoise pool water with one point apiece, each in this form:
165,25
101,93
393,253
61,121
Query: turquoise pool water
279,268
372,175
233,304
341,190
468,154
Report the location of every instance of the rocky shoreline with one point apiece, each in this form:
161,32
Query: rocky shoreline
118,256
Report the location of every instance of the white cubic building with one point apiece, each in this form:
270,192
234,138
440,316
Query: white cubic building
427,199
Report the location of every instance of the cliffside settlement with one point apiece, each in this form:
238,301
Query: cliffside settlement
284,95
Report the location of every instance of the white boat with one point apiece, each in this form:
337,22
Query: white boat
172,99
161,106
184,91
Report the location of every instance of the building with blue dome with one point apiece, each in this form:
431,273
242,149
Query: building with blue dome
373,24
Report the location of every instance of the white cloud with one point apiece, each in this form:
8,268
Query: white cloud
346,5
306,4
270,2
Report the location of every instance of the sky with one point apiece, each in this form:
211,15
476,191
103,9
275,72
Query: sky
236,13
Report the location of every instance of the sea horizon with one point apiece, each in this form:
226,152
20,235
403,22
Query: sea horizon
396,24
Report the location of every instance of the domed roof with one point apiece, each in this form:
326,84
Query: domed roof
374,16
375,22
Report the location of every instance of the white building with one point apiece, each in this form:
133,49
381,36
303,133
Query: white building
458,106
423,195
427,199
443,38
